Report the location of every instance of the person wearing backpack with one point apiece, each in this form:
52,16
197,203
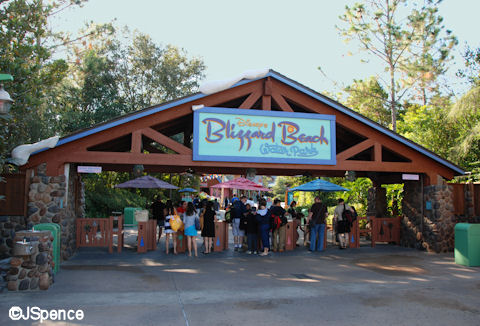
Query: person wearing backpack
341,219
238,211
316,216
278,226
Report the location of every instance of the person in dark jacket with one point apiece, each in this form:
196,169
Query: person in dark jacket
263,219
278,234
316,216
252,231
208,227
158,213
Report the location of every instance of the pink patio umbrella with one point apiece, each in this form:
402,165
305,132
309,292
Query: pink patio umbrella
241,184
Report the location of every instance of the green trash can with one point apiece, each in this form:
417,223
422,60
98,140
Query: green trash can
54,228
467,244
129,216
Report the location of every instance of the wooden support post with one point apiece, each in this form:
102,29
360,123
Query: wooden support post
378,152
136,146
110,235
267,103
373,226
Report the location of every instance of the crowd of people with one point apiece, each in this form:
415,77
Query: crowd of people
258,225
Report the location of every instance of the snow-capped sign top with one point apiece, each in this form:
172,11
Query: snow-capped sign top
214,86
20,154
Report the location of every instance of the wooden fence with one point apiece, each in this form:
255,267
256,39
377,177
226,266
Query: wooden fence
13,188
458,190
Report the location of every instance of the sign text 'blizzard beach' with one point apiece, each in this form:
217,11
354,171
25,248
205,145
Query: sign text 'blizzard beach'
236,135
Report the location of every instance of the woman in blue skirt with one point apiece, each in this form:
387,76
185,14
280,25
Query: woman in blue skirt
191,232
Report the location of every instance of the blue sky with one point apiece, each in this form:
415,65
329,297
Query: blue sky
292,37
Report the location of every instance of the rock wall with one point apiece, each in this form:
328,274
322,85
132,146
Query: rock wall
8,226
32,272
434,229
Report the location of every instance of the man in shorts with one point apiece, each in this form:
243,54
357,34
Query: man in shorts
343,227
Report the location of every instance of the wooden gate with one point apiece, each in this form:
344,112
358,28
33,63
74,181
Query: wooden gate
99,232
384,229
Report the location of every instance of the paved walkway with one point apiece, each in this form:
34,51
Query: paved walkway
386,285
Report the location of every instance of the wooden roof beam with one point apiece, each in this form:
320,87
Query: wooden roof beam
166,141
251,99
358,148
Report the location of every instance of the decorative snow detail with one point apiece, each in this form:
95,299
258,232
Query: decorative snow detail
215,86
197,107
20,154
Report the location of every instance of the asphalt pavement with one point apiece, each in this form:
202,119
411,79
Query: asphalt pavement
385,285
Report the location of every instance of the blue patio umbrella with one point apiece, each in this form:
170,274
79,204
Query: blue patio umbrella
187,190
319,185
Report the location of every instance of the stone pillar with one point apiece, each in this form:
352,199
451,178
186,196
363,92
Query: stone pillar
52,200
377,202
438,231
412,221
34,271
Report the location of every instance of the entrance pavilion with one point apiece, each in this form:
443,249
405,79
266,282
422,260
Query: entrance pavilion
162,139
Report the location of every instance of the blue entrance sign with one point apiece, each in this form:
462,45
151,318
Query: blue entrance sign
235,135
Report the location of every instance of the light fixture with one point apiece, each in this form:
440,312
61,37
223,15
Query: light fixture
5,101
350,175
251,173
138,170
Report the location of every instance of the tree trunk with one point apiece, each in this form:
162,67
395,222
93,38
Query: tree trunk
393,101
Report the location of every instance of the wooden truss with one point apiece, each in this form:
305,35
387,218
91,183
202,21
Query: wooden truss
162,141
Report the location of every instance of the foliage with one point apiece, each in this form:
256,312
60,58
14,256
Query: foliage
101,198
369,99
407,41
394,199
358,193
24,55
109,78
472,66
430,126
431,52
466,117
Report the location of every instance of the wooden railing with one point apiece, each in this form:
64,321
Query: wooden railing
99,232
